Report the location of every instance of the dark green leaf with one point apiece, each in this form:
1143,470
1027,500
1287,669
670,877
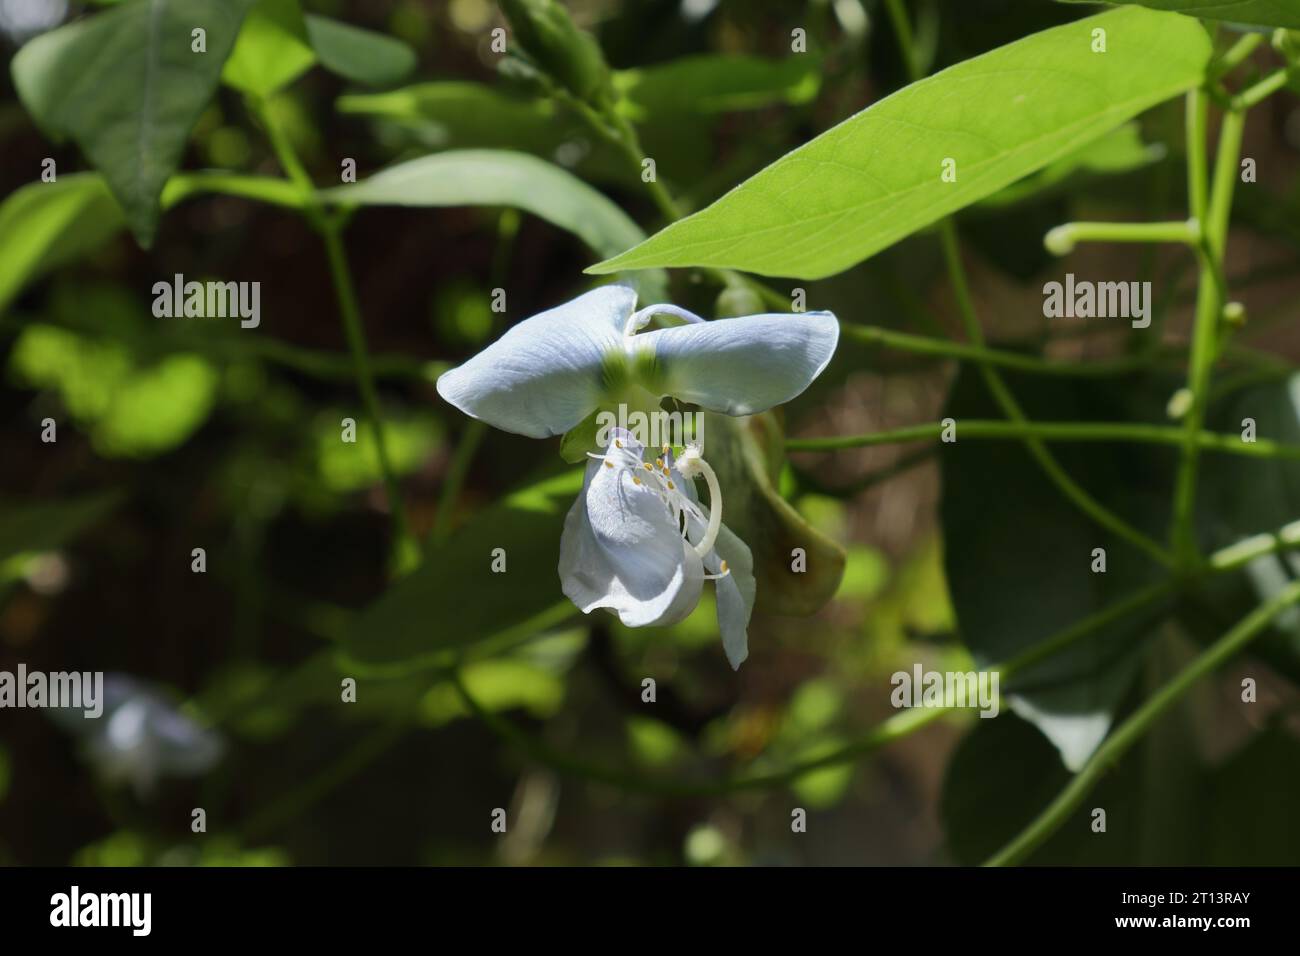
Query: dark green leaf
127,87
499,178
1019,556
455,599
359,55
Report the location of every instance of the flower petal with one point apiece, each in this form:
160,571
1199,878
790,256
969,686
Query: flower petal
544,375
735,594
620,550
743,366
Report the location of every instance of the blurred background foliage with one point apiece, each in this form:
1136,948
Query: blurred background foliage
177,434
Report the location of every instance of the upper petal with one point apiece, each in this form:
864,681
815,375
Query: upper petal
544,375
743,366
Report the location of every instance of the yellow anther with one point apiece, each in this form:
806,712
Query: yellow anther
609,464
617,443
636,480
648,466
723,567
671,486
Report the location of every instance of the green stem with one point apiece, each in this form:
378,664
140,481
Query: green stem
1011,409
893,728
406,548
1196,123
927,345
1055,431
1209,306
903,32
1062,240
1132,730
1254,95
455,479
1236,54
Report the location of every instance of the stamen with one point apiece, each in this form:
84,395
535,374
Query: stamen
636,480
609,464
691,464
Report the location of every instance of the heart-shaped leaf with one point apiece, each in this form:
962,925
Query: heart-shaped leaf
128,85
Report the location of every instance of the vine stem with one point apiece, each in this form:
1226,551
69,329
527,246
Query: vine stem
1056,431
898,725
1011,409
1062,240
406,550
1209,301
927,345
1132,730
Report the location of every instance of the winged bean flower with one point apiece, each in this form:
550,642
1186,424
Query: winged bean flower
638,541
141,737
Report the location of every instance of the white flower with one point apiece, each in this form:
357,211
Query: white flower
638,542
549,372
141,737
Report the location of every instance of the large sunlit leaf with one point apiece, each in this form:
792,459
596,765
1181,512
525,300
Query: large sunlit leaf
44,225
362,56
272,49
876,178
1262,13
126,85
498,178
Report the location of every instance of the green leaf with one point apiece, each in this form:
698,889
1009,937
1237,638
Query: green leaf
1018,556
362,56
1262,13
126,87
272,49
455,599
132,409
31,527
1119,151
44,225
499,178
876,178
715,84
